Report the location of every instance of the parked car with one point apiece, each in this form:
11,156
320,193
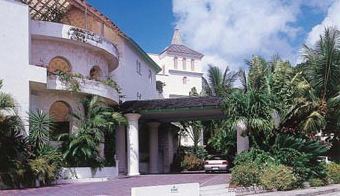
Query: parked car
216,163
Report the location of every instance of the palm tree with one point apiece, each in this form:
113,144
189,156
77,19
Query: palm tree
218,83
13,143
322,70
96,124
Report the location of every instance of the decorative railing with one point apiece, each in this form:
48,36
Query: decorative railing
83,35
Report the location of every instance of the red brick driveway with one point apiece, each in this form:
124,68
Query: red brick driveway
120,186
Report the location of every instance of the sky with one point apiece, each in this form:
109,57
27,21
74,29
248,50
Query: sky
227,31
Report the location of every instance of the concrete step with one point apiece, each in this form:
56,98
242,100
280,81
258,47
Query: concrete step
214,187
215,190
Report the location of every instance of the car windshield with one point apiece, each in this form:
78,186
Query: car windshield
216,158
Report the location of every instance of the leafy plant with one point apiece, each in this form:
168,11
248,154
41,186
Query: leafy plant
40,124
113,84
333,172
218,82
80,148
246,174
316,182
98,120
43,170
278,177
259,157
192,163
71,80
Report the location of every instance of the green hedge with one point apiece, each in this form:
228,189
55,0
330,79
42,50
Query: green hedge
246,174
278,177
333,172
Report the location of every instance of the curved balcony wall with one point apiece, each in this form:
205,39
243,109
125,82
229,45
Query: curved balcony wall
91,87
50,30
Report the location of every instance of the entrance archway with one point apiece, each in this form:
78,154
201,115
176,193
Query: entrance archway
60,112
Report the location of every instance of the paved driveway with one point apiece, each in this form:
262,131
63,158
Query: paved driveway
121,186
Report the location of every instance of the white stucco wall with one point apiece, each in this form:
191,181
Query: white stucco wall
14,52
132,82
173,77
80,58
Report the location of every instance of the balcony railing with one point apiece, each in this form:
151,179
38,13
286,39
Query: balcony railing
43,29
92,87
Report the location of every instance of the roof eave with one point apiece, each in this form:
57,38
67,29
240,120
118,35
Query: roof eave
146,57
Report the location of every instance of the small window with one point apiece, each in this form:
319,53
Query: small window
192,65
102,29
184,63
150,76
139,96
138,67
163,69
96,73
175,62
185,80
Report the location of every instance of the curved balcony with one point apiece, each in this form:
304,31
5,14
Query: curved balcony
57,31
91,87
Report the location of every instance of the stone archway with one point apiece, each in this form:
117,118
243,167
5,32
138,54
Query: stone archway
60,112
59,64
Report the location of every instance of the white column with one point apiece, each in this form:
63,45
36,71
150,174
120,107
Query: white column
132,144
121,148
242,141
153,147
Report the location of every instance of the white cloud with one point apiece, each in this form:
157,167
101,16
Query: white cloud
229,31
331,20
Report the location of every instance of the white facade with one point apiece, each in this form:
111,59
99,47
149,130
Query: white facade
30,51
181,70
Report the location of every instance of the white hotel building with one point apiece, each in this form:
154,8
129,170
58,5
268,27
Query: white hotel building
78,39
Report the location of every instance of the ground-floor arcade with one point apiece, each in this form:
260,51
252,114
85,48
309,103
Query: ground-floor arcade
149,141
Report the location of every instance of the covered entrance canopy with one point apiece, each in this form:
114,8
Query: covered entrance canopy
153,113
176,109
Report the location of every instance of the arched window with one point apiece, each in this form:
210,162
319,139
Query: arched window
163,69
175,62
185,80
96,73
150,76
60,112
184,61
59,64
192,65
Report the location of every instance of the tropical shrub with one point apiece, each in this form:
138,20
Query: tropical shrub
43,170
99,120
333,172
246,174
192,163
80,149
277,177
40,125
302,154
316,182
256,156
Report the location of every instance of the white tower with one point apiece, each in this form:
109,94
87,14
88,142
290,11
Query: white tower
181,68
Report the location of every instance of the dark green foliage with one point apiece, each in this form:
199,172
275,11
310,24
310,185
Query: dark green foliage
259,157
246,174
333,172
40,126
278,177
316,182
98,121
